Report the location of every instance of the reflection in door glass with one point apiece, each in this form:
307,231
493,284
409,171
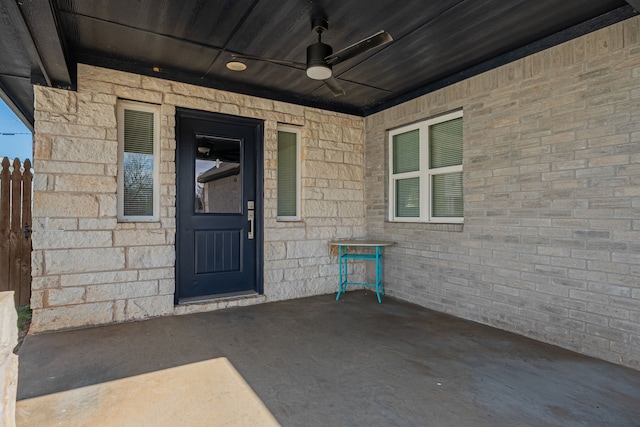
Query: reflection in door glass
218,175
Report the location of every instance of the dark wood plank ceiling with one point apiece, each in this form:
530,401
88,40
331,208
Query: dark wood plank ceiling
435,43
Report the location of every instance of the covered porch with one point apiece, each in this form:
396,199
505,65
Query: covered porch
315,361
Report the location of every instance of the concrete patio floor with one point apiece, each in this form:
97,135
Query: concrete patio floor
316,362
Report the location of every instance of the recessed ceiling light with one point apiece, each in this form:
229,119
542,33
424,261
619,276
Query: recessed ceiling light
236,66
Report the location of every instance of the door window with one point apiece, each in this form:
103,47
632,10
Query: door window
218,177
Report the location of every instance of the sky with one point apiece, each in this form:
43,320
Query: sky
15,137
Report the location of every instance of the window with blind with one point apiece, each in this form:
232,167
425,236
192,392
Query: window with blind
288,186
425,179
138,162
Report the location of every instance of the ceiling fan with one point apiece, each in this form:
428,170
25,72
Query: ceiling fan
320,56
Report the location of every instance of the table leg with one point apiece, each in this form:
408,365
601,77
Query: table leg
379,273
341,261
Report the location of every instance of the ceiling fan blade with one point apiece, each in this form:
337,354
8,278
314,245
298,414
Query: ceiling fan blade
378,39
334,86
298,65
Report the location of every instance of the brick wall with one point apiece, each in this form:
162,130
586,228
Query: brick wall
550,244
89,269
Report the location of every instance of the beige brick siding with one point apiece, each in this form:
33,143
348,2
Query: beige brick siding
89,269
550,244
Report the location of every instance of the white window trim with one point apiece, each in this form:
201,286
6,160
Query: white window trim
155,109
425,174
296,131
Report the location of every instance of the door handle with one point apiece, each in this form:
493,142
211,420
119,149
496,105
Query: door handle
251,215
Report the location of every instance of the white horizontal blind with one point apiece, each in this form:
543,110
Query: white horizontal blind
446,195
406,165
445,144
406,152
287,186
408,197
445,151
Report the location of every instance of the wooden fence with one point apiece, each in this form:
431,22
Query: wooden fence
15,229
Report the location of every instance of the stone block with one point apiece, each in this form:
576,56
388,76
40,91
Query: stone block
190,102
258,103
119,308
8,324
306,249
139,237
37,263
73,168
274,275
274,250
320,208
85,184
66,129
40,183
96,114
151,256
37,299
294,110
72,316
54,100
90,72
142,95
156,85
83,260
166,287
84,150
229,109
61,239
97,224
66,296
8,389
120,291
157,273
45,282
108,205
94,278
65,205
142,308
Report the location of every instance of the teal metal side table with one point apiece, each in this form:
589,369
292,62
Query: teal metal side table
344,256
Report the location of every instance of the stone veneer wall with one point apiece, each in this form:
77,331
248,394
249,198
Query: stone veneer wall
89,269
550,246
8,360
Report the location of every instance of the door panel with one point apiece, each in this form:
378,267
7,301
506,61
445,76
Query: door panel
218,251
219,176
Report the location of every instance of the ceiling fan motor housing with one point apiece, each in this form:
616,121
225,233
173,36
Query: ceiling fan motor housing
317,67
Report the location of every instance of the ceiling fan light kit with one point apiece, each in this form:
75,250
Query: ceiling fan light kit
317,68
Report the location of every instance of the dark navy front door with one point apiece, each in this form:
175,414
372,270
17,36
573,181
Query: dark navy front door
219,204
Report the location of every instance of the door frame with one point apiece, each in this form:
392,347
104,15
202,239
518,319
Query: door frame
257,126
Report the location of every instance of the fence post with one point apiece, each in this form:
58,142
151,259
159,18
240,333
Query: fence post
15,245
5,232
27,224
